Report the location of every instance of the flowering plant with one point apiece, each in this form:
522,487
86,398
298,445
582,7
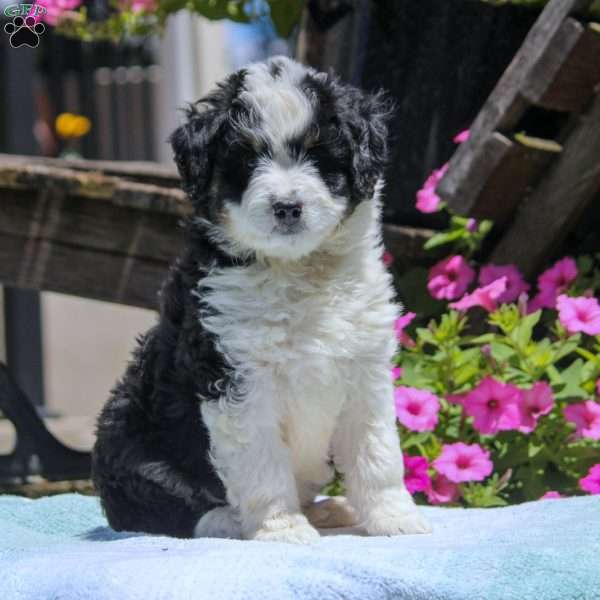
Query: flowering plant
116,19
497,397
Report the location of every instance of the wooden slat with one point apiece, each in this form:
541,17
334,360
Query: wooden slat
543,82
406,243
118,191
558,201
501,173
89,223
143,171
576,79
80,271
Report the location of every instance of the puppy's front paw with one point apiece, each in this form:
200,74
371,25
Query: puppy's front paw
290,528
395,518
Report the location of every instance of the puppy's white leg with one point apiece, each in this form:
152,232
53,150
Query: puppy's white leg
367,450
255,467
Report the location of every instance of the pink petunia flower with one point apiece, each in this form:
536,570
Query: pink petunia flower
416,409
456,398
463,462
416,477
535,403
461,137
591,482
586,416
388,259
559,276
56,10
579,314
494,406
396,373
486,296
427,200
146,5
515,284
541,300
553,282
450,278
402,322
442,491
551,495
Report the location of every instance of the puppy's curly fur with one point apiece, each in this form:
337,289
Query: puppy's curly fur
270,360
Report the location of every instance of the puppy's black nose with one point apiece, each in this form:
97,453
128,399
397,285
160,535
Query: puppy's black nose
287,214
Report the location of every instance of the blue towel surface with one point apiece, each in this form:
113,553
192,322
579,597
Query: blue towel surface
60,548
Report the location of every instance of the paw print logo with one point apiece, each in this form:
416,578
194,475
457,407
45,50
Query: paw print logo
24,32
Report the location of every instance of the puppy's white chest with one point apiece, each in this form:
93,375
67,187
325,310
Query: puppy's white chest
277,320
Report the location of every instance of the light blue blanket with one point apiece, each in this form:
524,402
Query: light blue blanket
61,549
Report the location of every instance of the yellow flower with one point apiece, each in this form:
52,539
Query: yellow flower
68,125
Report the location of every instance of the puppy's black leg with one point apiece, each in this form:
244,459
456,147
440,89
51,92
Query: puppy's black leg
148,495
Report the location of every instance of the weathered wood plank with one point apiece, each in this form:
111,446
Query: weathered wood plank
79,271
570,185
143,171
545,77
93,185
406,243
90,223
501,173
577,77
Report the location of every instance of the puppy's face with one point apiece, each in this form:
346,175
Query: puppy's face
280,156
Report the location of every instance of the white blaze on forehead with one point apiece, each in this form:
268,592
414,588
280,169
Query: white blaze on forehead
284,111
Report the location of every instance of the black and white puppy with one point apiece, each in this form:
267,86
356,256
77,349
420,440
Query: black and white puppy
270,362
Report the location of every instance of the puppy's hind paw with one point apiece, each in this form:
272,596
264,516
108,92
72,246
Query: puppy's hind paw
331,512
292,529
396,519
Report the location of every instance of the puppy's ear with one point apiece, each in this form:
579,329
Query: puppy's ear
195,142
369,139
194,149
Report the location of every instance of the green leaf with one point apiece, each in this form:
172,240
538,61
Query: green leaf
285,15
439,239
554,376
410,440
426,336
413,376
218,9
541,355
521,334
501,352
572,379
485,227
486,338
588,355
562,349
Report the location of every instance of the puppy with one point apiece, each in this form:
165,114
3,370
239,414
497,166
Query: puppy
270,362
